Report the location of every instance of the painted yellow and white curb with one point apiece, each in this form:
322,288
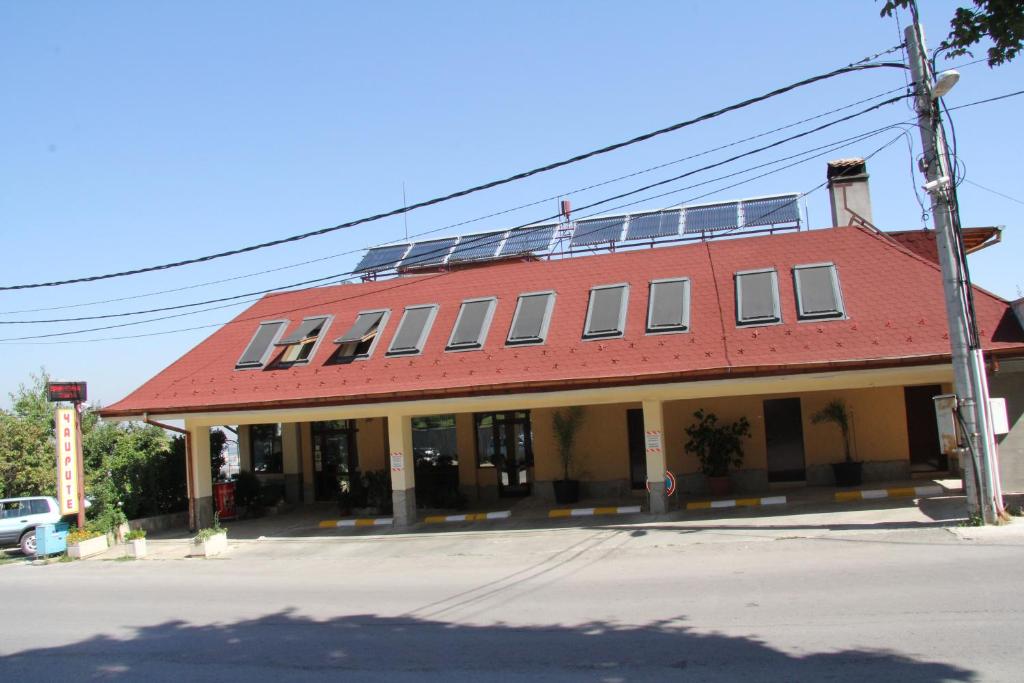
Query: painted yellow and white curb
468,517
360,521
590,512
896,492
735,503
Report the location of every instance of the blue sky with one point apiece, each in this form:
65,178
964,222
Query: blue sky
140,133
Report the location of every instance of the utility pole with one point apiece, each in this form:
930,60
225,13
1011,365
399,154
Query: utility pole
981,473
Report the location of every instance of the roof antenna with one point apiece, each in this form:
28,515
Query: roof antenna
405,214
564,223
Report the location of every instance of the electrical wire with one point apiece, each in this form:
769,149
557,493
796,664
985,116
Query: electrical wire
472,220
995,192
618,196
283,312
471,190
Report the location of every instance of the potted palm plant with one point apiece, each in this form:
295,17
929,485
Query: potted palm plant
849,472
719,447
566,424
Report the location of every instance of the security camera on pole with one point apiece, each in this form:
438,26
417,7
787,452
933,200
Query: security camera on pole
981,473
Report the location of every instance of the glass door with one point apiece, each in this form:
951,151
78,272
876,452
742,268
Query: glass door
505,441
335,462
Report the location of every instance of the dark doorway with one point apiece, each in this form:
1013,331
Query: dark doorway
335,461
922,429
505,441
784,434
637,448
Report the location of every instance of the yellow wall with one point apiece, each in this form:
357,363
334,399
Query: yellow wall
371,443
602,445
602,449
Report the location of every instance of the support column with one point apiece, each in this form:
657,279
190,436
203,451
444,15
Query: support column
403,469
654,440
291,455
200,481
244,449
306,458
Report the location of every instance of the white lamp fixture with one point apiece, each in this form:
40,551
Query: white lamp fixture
944,82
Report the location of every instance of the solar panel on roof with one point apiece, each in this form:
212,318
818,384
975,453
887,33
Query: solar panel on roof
712,217
526,240
381,258
771,210
476,247
650,225
430,253
597,231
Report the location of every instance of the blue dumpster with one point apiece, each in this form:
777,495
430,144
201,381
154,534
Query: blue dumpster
51,539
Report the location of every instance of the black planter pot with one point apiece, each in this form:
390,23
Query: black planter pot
847,473
566,491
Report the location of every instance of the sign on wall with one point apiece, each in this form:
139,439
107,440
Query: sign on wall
67,460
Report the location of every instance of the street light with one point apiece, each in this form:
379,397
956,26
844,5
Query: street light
944,83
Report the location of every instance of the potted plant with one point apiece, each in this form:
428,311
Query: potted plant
136,543
718,447
848,472
566,424
83,543
210,541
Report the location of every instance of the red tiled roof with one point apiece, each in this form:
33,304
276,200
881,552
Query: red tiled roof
893,300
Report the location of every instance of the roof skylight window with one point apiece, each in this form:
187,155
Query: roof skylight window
606,313
301,343
256,352
817,292
668,308
472,325
531,319
360,339
413,330
757,297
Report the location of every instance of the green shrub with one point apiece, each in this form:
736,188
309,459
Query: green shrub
135,535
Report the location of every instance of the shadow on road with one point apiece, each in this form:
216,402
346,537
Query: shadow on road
288,646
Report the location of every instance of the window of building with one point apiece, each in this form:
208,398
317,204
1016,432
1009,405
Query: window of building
255,355
606,312
472,325
360,339
668,307
433,440
757,297
531,319
266,447
300,344
413,330
817,292
503,439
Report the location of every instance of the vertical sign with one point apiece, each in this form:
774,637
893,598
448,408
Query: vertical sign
397,461
68,455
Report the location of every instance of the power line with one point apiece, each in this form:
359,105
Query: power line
618,196
477,188
282,312
996,192
472,220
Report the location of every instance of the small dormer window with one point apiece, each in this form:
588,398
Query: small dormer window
299,345
606,313
669,307
757,297
472,325
531,319
255,355
360,339
817,292
413,330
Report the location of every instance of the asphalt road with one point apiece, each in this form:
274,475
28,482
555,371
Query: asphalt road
658,601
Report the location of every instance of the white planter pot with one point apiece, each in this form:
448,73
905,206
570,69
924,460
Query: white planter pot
214,545
137,548
88,548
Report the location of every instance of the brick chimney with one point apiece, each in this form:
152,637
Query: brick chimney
848,191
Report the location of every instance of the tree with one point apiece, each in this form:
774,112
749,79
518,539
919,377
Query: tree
1000,20
27,447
